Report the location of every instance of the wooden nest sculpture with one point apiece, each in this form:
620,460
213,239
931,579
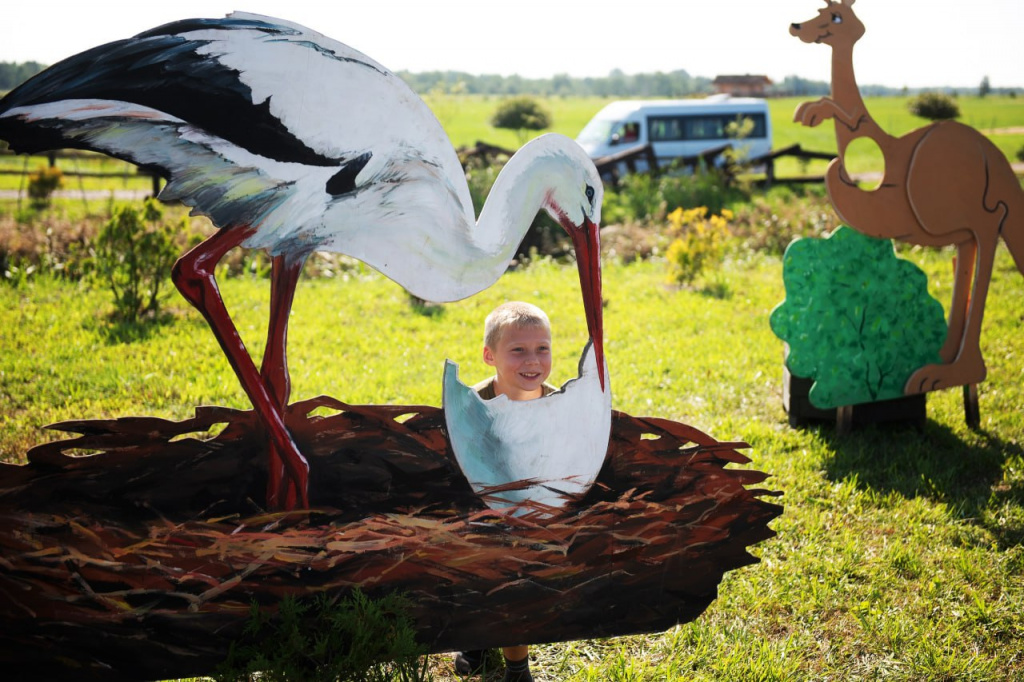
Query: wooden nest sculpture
143,559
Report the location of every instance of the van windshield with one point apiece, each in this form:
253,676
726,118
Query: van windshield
598,131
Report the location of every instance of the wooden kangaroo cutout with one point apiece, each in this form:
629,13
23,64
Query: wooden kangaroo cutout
943,184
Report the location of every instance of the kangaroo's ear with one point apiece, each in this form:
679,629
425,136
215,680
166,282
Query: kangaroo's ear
849,3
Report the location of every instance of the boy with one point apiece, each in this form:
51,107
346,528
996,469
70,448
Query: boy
517,344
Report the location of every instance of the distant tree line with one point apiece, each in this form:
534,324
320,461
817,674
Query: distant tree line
678,83
615,84
12,73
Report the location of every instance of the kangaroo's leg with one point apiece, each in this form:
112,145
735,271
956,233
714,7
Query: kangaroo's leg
967,367
957,208
963,271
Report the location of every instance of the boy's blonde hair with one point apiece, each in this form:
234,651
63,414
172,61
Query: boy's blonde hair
514,314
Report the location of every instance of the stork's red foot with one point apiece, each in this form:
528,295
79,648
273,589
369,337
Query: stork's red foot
287,485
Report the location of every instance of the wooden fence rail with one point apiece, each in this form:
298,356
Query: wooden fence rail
793,150
611,167
53,157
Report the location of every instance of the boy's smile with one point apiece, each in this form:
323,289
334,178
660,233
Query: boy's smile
522,362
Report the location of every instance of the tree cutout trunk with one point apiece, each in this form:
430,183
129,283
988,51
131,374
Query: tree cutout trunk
141,559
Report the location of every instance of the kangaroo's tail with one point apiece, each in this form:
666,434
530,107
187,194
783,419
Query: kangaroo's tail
1004,196
1012,228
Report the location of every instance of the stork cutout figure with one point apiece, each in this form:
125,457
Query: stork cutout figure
944,184
345,158
292,142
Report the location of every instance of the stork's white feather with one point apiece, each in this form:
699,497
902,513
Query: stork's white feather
409,213
88,109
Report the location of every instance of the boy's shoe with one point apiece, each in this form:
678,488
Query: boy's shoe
471,662
517,671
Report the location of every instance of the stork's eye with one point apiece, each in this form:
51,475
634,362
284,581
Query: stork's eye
837,18
590,194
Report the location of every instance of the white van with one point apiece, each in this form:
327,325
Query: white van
678,128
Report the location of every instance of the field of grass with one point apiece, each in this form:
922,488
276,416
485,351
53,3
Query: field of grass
900,554
465,118
1001,119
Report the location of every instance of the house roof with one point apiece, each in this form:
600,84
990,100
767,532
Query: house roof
746,79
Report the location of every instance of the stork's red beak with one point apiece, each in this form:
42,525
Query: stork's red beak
586,239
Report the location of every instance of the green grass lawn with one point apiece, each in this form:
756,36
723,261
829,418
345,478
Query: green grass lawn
899,555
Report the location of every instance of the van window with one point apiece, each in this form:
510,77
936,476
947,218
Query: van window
598,131
630,132
703,127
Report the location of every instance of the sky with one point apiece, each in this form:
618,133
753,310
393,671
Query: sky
912,43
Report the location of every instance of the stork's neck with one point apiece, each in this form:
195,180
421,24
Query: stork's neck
515,198
454,258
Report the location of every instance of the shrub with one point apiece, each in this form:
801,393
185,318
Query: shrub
858,319
51,243
770,221
43,183
638,198
934,106
700,242
322,640
521,114
709,187
134,254
643,197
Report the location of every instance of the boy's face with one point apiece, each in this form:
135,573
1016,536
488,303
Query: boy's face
522,362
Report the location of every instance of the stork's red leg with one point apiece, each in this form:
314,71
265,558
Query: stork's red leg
284,275
193,274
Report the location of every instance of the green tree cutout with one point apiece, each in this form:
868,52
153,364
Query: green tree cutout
858,319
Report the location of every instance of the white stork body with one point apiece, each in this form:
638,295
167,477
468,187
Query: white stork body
293,142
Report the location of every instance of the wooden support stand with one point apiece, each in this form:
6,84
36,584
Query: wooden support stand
972,413
911,408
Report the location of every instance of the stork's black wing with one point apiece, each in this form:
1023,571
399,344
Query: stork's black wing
165,69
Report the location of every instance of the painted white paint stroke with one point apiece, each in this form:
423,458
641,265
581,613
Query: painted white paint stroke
530,454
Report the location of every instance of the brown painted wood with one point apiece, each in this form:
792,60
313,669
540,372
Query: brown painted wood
944,184
141,560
